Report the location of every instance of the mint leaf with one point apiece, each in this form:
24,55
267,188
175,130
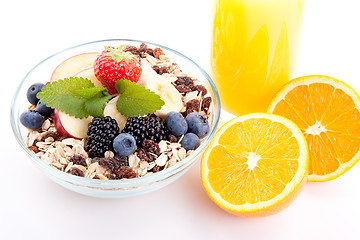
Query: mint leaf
95,105
74,96
80,98
90,92
136,100
121,86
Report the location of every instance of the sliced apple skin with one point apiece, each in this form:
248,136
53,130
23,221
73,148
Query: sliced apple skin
68,126
89,74
73,65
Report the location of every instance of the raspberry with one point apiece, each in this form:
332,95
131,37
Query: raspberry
101,133
148,127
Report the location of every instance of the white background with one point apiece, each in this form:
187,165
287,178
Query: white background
33,207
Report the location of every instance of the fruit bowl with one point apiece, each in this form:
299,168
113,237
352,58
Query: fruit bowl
110,188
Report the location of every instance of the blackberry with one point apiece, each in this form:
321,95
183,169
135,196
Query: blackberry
101,133
148,127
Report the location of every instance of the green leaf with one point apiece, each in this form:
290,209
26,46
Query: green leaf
95,105
90,92
135,100
121,86
118,55
70,95
80,98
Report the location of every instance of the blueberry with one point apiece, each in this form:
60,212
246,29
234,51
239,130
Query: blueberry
31,119
190,141
124,144
197,124
176,123
32,91
43,109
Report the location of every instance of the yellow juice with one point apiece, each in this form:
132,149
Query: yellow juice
254,50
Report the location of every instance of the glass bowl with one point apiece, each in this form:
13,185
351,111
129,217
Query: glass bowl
110,188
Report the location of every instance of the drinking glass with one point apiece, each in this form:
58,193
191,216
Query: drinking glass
254,50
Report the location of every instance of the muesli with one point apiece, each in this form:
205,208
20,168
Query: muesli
125,112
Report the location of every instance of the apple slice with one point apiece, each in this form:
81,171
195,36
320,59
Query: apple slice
73,65
68,126
89,74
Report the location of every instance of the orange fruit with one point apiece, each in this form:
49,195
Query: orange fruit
255,165
327,112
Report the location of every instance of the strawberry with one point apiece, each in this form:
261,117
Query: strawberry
114,64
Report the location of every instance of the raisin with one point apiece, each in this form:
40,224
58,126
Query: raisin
35,142
77,172
52,134
132,49
158,52
160,70
143,155
151,146
172,138
192,106
123,161
183,88
34,149
109,164
125,172
184,81
157,168
112,164
205,105
199,88
78,160
144,49
150,51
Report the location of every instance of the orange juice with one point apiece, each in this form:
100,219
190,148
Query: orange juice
254,48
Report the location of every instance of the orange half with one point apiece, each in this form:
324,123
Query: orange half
255,165
327,112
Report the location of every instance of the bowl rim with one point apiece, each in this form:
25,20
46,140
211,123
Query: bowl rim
158,176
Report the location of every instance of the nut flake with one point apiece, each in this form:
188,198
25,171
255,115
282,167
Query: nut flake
109,154
69,166
151,165
93,167
134,161
46,125
161,160
182,153
163,146
70,141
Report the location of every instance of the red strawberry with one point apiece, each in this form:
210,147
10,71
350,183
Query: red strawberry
114,64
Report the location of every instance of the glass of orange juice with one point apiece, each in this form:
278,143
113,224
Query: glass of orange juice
254,50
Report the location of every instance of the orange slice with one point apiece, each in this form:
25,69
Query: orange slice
255,165
327,112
